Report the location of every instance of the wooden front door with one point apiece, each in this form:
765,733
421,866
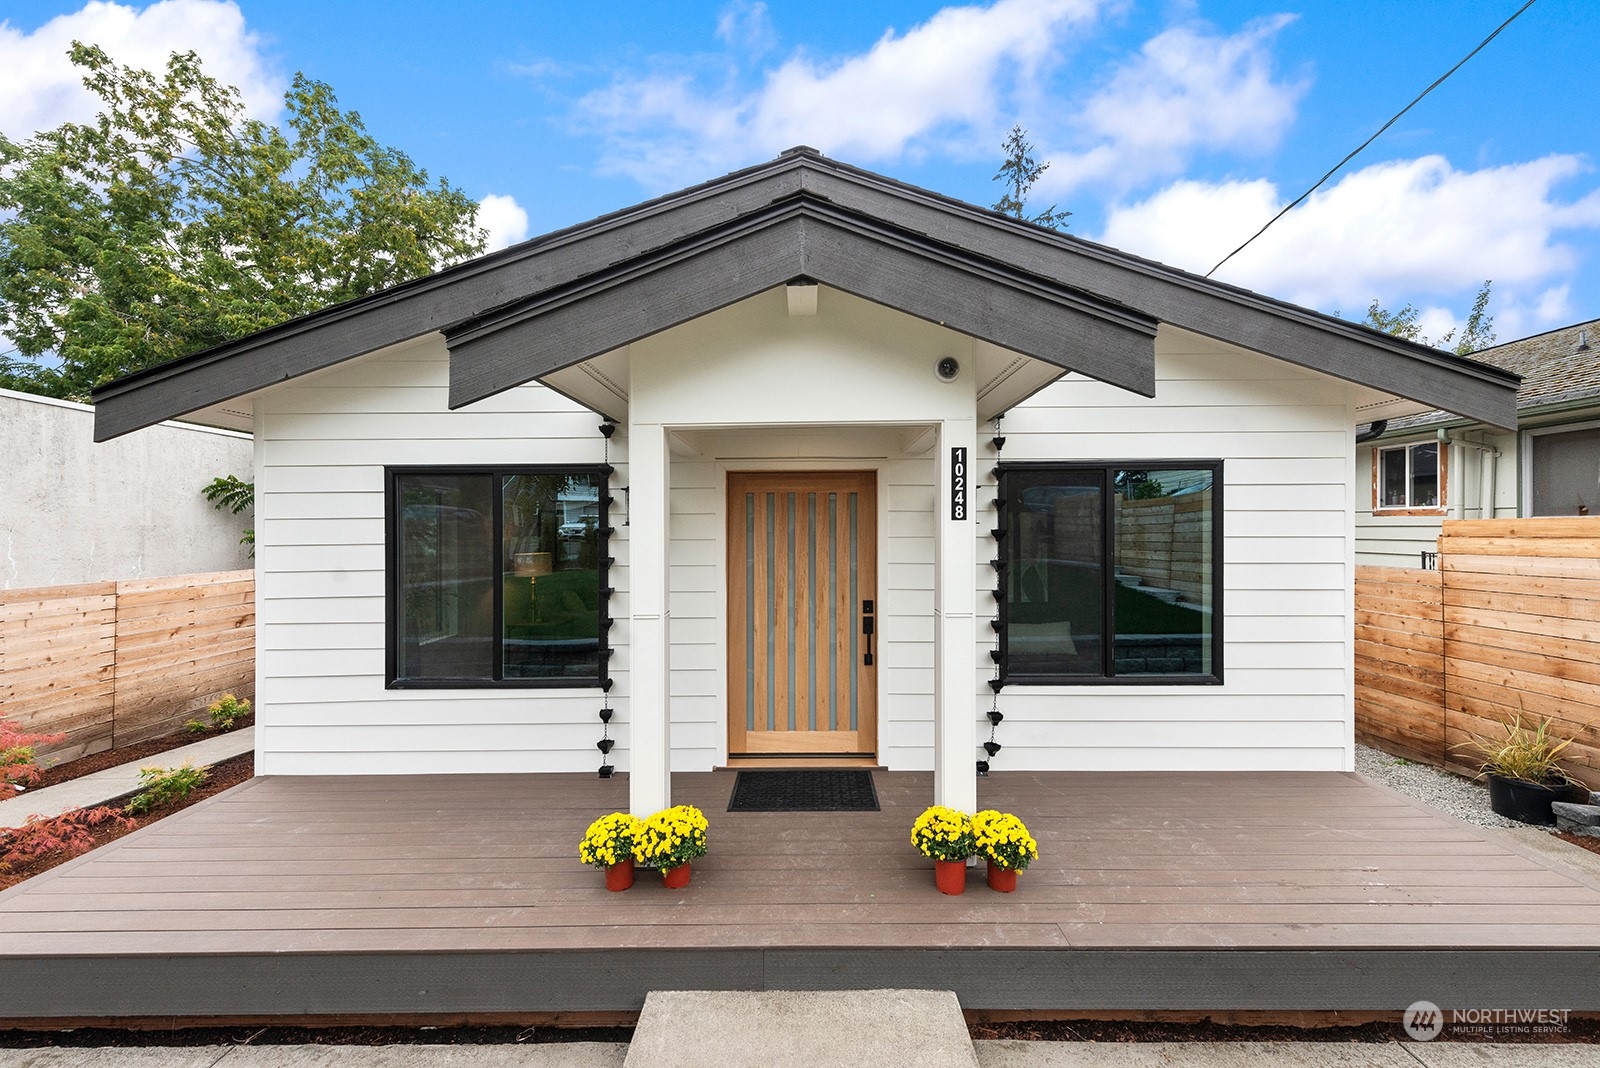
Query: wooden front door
802,613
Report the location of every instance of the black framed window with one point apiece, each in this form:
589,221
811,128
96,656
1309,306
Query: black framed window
1111,572
497,576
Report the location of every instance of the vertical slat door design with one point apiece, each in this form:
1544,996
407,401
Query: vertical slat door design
802,584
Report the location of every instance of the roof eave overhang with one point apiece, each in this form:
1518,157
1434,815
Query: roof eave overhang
811,240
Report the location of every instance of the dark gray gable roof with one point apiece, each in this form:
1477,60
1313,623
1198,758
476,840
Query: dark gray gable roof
516,314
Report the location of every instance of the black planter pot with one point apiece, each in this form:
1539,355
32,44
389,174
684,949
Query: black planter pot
1529,802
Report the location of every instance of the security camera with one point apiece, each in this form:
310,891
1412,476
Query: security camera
947,369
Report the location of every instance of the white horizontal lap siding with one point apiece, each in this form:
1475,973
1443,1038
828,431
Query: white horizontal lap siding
322,445
697,592
1284,437
906,629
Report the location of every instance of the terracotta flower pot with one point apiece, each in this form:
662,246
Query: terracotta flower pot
675,878
620,876
1002,879
950,876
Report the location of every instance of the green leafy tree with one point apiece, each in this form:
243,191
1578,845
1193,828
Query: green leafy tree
173,222
1476,333
1019,172
237,496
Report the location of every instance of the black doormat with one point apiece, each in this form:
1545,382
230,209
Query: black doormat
804,790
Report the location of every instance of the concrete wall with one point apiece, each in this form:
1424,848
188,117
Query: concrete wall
75,511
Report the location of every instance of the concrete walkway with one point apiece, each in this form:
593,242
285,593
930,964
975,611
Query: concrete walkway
102,786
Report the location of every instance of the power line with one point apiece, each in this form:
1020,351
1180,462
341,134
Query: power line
1440,81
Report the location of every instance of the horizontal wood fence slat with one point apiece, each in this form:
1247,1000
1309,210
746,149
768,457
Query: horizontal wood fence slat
114,663
1508,624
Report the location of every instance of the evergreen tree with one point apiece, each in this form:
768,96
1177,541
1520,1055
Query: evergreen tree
1019,172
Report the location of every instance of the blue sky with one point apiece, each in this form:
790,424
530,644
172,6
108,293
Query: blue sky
1173,129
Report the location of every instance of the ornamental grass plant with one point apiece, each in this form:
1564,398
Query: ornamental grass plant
611,839
1004,840
672,837
944,834
1525,753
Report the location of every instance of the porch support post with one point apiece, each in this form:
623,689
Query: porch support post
649,776
955,771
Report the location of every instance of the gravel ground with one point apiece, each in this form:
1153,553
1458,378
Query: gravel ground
1465,799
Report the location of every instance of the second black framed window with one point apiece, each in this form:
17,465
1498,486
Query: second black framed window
1111,572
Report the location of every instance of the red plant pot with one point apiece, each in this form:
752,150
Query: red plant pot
950,876
675,878
1002,879
620,876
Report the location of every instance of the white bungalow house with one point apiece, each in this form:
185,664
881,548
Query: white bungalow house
1436,465
784,388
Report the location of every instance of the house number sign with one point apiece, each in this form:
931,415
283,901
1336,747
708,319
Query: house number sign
958,485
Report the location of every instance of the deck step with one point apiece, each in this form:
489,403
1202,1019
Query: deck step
800,1028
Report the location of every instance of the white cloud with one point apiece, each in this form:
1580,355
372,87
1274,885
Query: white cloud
504,219
746,26
1402,232
947,74
1187,91
41,89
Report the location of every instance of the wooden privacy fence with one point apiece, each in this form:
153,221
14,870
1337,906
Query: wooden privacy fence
1509,623
114,663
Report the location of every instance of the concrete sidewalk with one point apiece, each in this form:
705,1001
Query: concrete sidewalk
102,786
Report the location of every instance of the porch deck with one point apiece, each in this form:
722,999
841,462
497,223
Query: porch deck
299,897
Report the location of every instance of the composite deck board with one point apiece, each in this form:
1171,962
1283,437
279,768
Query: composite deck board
306,882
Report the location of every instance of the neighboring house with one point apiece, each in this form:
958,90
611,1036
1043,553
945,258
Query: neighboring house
807,542
1431,466
72,512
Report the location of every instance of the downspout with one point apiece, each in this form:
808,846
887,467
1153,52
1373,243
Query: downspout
1488,470
1374,430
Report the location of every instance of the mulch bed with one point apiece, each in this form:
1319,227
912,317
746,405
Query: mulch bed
110,758
1578,1030
222,775
1583,841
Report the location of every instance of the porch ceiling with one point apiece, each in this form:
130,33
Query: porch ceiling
1004,378
433,895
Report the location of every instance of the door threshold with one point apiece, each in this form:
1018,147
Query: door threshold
787,760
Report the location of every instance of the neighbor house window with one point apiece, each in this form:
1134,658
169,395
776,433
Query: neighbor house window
1409,477
497,576
1111,572
1564,472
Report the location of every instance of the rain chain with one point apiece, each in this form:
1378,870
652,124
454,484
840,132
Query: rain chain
606,742
998,532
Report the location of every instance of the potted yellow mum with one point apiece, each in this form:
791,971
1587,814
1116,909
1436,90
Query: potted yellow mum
609,843
945,834
1004,841
670,839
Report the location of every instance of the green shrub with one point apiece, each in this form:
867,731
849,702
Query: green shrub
226,709
224,713
163,786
